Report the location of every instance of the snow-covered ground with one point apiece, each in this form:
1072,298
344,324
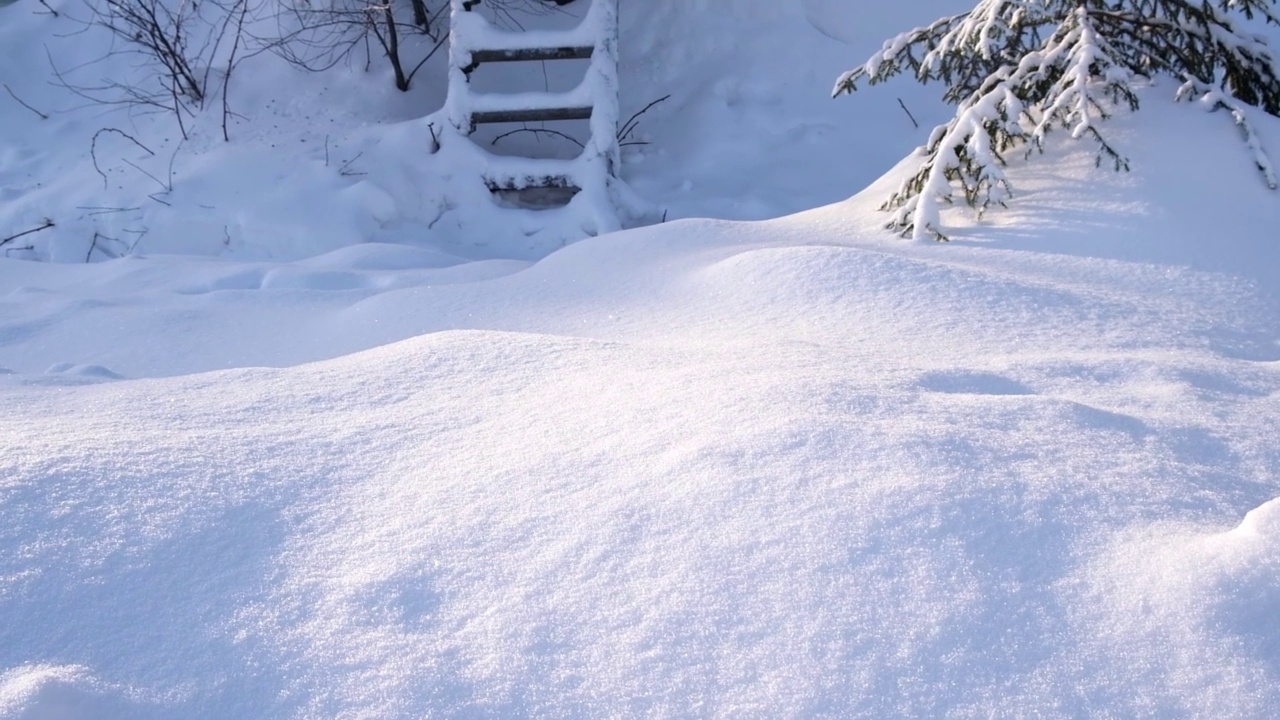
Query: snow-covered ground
344,464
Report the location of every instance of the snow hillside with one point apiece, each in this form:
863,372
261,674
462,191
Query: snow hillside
706,468
321,161
344,466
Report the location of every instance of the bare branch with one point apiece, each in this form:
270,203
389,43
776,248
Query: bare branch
539,131
23,104
346,171
93,149
908,112
47,224
630,125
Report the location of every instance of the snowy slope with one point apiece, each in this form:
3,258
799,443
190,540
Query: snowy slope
707,468
322,161
710,468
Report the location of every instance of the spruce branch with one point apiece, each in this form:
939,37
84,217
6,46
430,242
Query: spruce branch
1018,69
1213,100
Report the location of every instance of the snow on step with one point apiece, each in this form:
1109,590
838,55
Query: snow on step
525,54
474,40
516,173
472,33
531,106
531,115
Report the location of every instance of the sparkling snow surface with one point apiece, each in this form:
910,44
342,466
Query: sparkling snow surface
790,468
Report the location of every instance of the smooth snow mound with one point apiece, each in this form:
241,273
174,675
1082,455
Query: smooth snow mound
748,468
67,692
1197,614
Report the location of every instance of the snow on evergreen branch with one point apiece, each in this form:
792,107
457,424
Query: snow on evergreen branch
1212,100
897,53
1090,72
966,154
1017,69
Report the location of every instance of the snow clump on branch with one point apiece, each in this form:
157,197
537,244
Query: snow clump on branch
1018,69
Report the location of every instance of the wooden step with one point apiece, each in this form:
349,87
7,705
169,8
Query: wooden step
490,117
530,54
517,46
531,181
489,108
509,173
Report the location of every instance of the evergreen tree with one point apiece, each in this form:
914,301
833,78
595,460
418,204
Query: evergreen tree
1017,69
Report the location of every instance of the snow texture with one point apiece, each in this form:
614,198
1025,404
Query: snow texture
713,467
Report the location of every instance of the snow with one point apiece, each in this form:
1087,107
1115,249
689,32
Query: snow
350,465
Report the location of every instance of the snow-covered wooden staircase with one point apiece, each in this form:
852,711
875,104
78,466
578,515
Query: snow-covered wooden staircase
593,174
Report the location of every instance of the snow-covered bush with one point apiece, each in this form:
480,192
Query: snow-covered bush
1017,69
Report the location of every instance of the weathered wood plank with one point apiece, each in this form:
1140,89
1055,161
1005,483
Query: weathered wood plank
488,117
529,54
526,182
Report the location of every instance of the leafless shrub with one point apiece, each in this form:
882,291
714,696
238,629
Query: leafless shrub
182,47
318,36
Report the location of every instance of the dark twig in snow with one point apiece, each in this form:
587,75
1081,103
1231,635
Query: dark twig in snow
539,131
243,6
93,149
23,104
143,170
346,170
100,210
47,224
122,249
629,126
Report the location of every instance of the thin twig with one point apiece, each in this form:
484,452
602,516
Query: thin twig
92,246
174,156
908,112
47,224
177,108
50,9
93,150
629,126
428,56
537,131
142,170
99,236
231,64
345,170
140,234
168,186
23,104
99,210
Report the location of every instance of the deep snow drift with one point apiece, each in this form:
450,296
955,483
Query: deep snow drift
709,468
